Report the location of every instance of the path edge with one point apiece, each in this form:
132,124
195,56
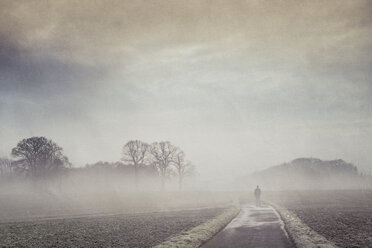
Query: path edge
199,235
301,234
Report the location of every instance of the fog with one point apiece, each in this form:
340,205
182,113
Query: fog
239,86
98,193
187,123
243,86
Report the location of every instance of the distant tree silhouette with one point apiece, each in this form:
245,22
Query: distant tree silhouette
183,168
38,157
163,154
134,153
5,166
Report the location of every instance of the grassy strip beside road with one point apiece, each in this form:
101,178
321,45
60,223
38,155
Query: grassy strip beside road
302,235
196,236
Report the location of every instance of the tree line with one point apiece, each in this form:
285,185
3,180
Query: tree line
39,157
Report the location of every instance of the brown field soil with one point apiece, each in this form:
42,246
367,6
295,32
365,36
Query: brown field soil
126,230
343,217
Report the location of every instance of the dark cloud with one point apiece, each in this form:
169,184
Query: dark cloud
22,71
91,29
107,70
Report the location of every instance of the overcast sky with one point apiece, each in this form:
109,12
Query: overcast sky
239,85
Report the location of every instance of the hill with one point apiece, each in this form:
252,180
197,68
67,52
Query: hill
309,174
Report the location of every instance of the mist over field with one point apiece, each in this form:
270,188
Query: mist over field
157,119
243,85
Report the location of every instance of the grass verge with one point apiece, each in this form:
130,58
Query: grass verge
301,234
198,235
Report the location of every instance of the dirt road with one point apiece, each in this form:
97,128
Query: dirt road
253,227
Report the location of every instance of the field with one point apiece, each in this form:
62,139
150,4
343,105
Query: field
147,219
30,217
343,217
126,230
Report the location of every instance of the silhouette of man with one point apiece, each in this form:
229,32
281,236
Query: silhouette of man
257,194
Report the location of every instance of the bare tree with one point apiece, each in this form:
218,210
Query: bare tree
134,153
5,166
38,156
183,168
163,154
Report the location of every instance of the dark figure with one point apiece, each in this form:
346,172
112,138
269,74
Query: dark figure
257,194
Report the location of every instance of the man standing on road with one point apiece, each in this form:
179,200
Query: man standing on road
257,194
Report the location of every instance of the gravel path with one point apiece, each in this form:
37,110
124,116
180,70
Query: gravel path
131,230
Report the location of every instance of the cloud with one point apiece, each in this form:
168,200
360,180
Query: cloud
102,32
236,71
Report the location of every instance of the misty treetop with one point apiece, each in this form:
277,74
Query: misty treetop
134,153
161,155
183,168
39,157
